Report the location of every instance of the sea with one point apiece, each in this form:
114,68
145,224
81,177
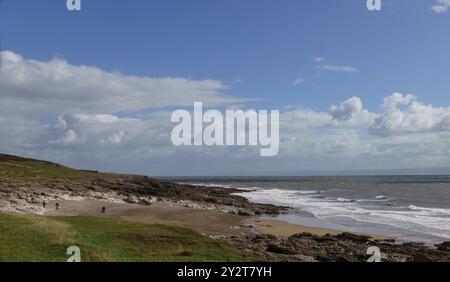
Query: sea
408,208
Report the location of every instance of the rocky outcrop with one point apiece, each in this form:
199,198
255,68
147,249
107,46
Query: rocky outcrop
145,201
346,247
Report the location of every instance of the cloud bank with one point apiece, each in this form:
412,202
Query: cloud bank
91,118
56,87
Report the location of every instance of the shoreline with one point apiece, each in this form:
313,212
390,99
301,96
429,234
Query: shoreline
208,222
147,192
20,195
211,211
285,229
258,239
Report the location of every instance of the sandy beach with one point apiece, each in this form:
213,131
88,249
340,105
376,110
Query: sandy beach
210,222
284,229
258,239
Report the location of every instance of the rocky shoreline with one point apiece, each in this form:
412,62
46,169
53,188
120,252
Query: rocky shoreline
345,247
24,195
20,195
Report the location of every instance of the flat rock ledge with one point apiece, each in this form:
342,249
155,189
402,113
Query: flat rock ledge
346,247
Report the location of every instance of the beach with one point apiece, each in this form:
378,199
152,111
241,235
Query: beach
209,222
259,223
257,238
285,229
408,208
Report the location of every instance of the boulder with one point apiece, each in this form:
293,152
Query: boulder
444,247
278,249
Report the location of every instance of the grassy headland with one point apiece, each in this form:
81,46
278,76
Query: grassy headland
13,166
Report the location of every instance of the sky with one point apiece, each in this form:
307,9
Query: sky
357,89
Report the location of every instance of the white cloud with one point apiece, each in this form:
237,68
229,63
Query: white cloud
415,118
305,134
319,59
352,111
347,110
406,133
349,113
101,130
297,118
441,6
68,138
337,68
323,65
57,87
298,81
395,100
351,137
48,113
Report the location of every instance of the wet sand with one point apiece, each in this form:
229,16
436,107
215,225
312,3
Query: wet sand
204,221
209,222
284,229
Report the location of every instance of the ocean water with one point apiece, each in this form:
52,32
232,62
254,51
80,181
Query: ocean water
409,208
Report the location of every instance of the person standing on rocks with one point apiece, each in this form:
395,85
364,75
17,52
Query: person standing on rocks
43,204
104,210
57,206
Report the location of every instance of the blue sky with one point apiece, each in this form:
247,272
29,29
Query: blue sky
266,45
300,55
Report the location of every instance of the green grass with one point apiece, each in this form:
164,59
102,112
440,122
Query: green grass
12,166
46,239
33,169
35,238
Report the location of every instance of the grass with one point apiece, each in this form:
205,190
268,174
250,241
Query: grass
46,239
12,166
33,169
